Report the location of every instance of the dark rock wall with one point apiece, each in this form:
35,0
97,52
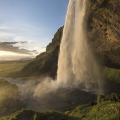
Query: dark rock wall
103,30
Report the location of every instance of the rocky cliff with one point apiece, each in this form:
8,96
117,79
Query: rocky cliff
103,30
45,64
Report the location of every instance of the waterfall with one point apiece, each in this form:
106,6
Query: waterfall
76,64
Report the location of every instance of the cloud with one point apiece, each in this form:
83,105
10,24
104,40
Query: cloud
9,46
13,56
22,38
23,42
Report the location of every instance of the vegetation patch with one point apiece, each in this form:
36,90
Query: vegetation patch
31,115
106,108
112,74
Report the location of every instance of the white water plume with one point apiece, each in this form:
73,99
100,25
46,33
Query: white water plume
76,65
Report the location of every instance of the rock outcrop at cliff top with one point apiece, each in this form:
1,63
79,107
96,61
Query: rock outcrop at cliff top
103,33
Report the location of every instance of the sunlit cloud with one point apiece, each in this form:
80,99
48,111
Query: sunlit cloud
31,24
22,39
19,41
9,46
5,55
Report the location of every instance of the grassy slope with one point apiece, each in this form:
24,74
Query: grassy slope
45,64
106,108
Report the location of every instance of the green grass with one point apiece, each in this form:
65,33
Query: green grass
105,111
106,108
112,74
80,111
12,68
31,115
44,65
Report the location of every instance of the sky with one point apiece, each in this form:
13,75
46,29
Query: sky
28,26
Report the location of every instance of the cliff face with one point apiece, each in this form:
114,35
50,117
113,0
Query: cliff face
45,64
103,30
103,34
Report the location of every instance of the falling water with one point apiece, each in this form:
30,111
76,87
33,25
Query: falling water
76,65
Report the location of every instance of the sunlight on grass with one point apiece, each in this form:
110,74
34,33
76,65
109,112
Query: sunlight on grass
11,68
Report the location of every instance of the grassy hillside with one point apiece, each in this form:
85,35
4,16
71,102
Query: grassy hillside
106,108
